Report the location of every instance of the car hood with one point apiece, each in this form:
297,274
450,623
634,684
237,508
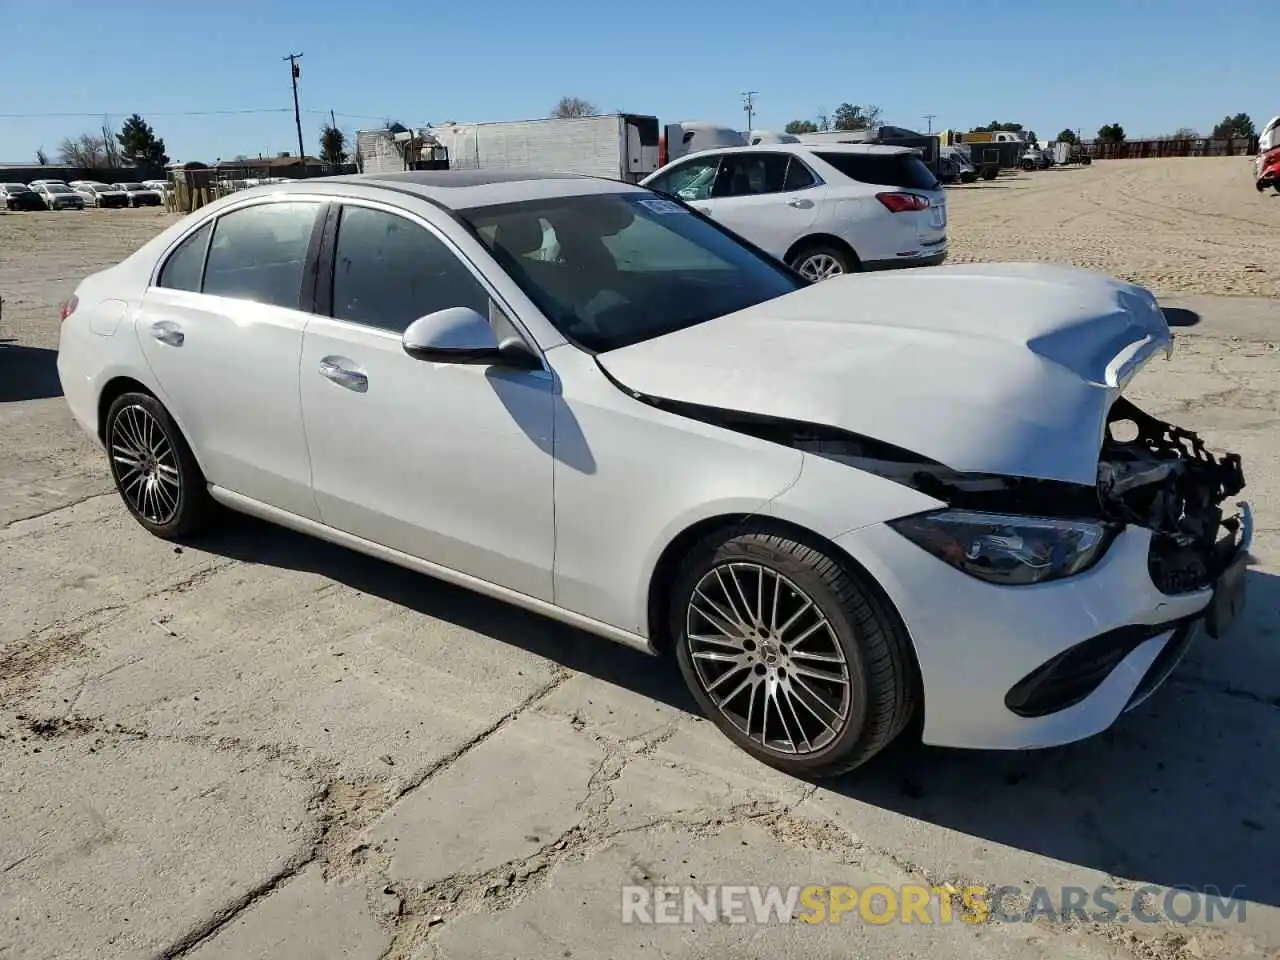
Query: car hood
993,368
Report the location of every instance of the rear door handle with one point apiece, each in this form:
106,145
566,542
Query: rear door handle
344,373
166,331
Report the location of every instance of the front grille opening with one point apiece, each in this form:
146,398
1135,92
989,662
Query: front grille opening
1074,674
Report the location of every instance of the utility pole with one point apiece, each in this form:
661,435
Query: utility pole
929,118
749,105
294,72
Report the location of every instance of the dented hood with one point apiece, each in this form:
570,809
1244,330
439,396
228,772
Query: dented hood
992,368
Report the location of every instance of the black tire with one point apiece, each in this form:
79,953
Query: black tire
1028,165
990,173
846,260
882,678
191,504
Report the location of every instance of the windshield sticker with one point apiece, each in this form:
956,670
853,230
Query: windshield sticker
662,206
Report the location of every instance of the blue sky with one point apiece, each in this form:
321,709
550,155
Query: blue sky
1151,65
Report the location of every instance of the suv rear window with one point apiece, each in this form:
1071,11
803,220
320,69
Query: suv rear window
904,170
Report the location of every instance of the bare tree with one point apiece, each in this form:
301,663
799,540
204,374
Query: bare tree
574,107
88,150
1185,133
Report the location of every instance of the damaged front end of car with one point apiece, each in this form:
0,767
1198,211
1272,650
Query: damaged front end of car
1020,530
1162,477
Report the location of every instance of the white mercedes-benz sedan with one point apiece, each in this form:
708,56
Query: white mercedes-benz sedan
842,506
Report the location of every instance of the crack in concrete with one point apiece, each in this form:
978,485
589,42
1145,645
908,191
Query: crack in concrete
58,509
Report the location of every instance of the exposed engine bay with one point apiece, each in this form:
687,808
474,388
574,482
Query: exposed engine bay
1150,474
1163,478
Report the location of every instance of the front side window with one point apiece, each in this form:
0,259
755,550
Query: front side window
183,269
389,271
630,266
692,180
259,253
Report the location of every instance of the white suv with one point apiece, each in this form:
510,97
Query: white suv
825,210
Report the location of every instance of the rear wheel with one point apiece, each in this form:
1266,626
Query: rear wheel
792,657
154,470
821,261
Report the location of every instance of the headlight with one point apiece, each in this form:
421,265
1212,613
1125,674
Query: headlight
1006,549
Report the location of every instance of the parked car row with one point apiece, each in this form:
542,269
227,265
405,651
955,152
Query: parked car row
78,194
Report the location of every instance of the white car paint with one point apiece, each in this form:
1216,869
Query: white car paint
831,206
560,488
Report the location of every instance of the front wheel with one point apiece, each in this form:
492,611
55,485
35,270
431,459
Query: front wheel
792,657
153,468
822,262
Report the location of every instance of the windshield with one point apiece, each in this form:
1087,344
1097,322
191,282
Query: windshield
57,188
100,187
615,269
14,187
131,186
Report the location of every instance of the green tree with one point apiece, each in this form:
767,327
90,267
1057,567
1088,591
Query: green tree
851,116
139,144
801,126
574,107
1067,136
1241,125
995,125
333,145
1111,133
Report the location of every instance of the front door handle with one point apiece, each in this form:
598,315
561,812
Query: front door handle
344,373
799,203
166,331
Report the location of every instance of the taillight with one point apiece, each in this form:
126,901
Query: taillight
69,307
903,202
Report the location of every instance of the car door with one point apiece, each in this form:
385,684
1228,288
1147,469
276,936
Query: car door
221,330
771,198
450,463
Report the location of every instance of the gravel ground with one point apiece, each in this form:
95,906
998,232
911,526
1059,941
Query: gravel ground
1177,226
259,746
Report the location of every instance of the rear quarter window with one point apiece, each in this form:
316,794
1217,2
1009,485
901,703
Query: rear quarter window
904,170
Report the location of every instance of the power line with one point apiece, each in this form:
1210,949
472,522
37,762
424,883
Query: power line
148,113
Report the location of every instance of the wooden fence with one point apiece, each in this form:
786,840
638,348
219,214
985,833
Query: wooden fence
1169,147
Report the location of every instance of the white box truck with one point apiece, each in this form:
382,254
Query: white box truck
620,146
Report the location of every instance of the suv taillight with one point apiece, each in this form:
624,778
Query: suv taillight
69,307
903,202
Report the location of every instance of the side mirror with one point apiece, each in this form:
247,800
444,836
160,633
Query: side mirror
462,335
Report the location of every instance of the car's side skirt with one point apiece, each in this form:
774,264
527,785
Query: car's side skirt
255,508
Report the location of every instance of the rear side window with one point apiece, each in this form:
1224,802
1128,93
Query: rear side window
259,253
904,170
183,268
798,175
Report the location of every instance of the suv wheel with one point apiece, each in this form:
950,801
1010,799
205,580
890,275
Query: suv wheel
822,262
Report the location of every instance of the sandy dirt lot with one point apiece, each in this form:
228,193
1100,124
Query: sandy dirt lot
1176,226
260,746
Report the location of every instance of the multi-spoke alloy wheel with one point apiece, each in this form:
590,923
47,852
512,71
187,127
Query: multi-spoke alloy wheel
153,467
796,657
145,464
820,266
768,657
